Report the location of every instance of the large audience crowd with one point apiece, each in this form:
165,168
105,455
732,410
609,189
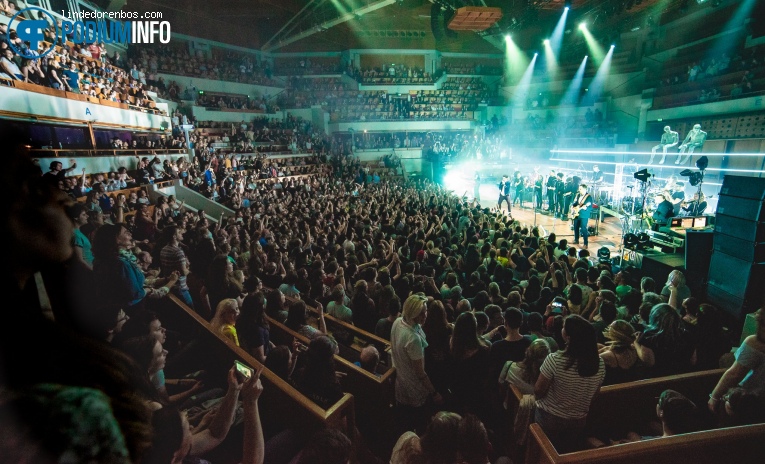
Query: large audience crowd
216,64
471,300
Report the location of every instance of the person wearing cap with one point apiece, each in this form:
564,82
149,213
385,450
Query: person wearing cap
695,139
414,391
669,139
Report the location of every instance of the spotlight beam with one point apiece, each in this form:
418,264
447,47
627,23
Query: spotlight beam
522,89
599,81
592,43
516,60
551,61
556,39
572,93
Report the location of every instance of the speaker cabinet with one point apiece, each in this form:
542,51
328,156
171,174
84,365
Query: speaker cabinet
744,187
752,252
744,229
742,208
739,278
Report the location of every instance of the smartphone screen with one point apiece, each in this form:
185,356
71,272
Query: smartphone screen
243,369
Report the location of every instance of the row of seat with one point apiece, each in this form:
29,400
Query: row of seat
627,406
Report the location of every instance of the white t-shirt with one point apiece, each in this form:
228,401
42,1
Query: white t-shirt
407,345
570,394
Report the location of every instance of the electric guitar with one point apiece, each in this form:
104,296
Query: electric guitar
573,213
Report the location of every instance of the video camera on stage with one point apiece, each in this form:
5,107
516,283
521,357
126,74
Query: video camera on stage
643,175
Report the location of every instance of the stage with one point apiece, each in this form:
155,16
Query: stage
609,230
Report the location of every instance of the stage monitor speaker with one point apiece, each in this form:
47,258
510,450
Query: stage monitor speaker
741,279
658,266
744,229
742,208
744,187
698,253
751,252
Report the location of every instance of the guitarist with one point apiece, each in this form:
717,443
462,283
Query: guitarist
580,213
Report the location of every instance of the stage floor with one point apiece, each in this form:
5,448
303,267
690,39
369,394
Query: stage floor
609,231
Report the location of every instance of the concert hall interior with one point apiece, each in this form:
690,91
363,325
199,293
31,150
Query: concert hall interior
383,231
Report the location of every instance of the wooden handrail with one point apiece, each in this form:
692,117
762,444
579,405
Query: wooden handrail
732,444
90,152
380,342
341,413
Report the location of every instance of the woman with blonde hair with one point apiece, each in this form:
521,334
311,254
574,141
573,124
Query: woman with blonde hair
524,374
415,394
224,320
619,354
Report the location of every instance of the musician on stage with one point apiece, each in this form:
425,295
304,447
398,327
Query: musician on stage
665,211
550,184
560,191
538,183
669,139
695,207
597,175
571,188
581,214
518,185
504,193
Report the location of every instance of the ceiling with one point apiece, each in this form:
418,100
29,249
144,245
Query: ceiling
404,24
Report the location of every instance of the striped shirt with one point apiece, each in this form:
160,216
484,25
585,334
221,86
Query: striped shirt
172,259
570,394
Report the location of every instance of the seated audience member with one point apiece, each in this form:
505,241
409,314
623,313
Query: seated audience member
224,319
560,414
664,348
297,320
742,408
337,308
748,372
282,361
317,379
676,413
369,358
252,327
276,305
619,354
